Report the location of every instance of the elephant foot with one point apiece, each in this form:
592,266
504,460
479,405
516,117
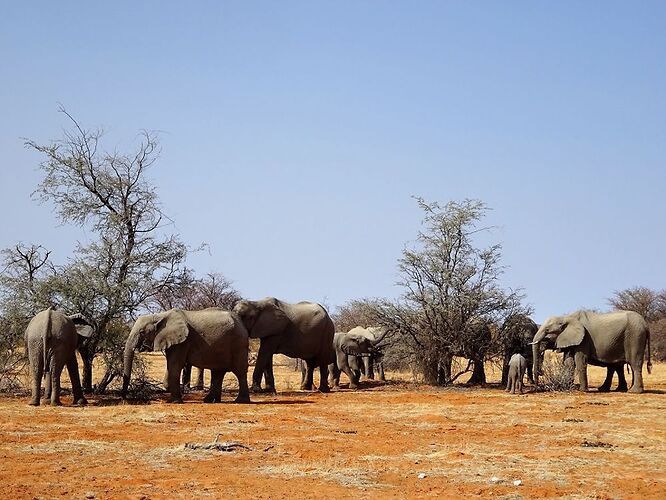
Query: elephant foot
34,402
245,398
325,389
81,401
56,403
210,398
621,389
635,390
178,400
306,387
256,388
352,385
604,388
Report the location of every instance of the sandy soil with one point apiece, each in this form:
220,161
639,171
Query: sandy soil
392,440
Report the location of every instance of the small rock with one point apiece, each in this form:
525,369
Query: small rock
495,480
422,475
90,494
517,482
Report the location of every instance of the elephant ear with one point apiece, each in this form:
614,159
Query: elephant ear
82,325
354,345
272,320
171,329
571,336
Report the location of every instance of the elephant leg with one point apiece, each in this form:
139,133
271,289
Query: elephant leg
380,371
48,384
264,358
621,380
323,378
367,365
174,369
77,391
199,386
343,365
215,392
243,389
605,387
580,361
187,376
333,375
37,368
637,369
56,370
508,383
269,378
306,383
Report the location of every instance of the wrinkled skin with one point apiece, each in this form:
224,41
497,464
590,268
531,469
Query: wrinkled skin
212,339
351,351
51,340
303,330
517,333
609,339
517,367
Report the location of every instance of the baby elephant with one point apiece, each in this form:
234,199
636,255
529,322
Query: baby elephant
517,367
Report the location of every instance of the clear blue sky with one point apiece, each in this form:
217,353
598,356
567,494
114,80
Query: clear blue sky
294,133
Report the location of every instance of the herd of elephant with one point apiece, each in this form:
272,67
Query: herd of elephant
218,340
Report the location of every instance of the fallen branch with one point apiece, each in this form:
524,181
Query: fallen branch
228,446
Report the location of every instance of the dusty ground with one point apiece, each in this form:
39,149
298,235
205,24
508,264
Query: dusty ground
369,443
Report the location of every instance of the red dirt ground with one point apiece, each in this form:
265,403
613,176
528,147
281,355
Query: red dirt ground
363,444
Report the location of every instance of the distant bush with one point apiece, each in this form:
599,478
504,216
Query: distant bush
658,340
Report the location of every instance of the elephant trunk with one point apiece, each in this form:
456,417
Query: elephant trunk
128,359
538,337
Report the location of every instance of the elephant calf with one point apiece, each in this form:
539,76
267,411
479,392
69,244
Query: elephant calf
51,339
517,367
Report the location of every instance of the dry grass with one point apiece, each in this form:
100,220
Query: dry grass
367,443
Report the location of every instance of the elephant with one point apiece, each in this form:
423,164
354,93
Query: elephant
211,338
517,367
302,330
517,333
51,338
604,339
352,349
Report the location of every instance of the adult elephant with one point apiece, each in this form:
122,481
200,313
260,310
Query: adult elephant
51,339
602,339
303,330
212,338
517,333
349,348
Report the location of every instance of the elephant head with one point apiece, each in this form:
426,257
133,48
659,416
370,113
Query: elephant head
262,318
560,332
361,341
153,332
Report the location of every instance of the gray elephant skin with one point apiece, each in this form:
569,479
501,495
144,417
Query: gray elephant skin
302,330
517,367
352,349
603,339
51,338
212,339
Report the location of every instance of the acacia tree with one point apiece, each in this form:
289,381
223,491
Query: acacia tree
451,292
192,293
22,294
131,260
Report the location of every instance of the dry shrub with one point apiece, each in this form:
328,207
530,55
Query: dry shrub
13,369
558,375
142,387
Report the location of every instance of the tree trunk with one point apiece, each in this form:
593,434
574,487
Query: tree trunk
479,374
87,357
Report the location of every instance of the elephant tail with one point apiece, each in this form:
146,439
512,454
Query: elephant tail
649,360
47,336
